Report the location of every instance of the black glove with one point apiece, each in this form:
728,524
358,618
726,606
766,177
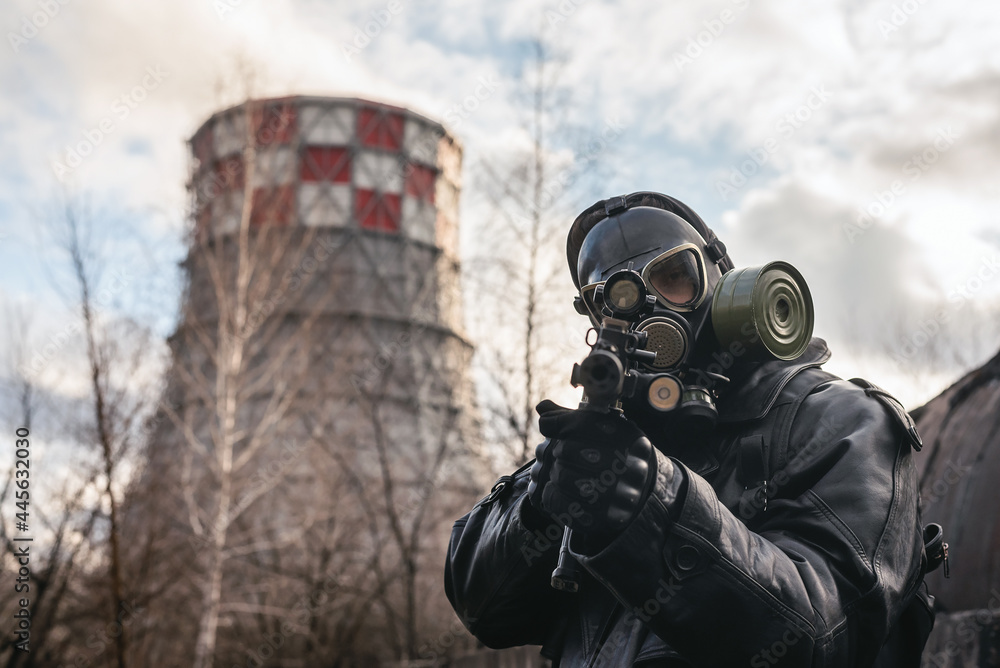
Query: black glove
593,473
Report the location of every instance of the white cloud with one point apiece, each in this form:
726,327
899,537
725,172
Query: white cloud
688,124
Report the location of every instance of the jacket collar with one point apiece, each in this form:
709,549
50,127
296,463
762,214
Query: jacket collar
756,386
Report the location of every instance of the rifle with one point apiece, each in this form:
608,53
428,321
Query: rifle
610,373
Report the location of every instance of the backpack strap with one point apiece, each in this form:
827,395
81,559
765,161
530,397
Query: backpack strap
502,484
899,414
806,384
764,450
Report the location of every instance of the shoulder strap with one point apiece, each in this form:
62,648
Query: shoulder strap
502,484
803,386
899,414
764,449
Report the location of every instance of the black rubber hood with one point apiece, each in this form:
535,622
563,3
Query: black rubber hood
713,249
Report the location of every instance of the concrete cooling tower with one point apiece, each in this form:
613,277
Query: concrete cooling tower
319,429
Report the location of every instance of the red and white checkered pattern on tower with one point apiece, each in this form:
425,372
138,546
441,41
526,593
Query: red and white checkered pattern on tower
333,162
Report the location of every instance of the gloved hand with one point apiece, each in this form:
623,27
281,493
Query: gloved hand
593,473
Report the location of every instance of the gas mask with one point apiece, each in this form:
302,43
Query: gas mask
670,284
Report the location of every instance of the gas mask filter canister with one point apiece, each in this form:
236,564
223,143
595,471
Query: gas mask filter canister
758,313
763,312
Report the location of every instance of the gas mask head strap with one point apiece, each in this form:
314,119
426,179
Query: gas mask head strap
615,205
715,250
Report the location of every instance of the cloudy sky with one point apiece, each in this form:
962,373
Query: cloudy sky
857,140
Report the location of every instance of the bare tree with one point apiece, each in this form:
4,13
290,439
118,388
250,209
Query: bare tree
407,503
72,579
522,277
80,575
97,359
57,606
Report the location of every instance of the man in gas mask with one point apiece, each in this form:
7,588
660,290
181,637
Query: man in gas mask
734,504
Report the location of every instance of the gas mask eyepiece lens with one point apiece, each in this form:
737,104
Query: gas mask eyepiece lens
624,294
678,278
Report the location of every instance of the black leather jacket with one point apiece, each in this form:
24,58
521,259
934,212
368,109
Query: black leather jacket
812,568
